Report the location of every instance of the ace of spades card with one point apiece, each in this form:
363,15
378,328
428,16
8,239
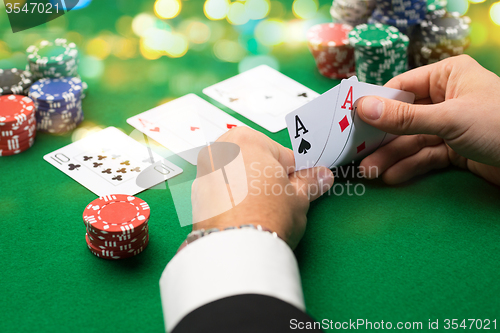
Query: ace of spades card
109,162
309,127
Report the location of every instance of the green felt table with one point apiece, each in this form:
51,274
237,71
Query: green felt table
427,249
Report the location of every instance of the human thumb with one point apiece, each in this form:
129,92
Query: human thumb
312,182
402,118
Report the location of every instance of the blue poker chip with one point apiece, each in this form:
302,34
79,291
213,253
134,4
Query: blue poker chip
56,90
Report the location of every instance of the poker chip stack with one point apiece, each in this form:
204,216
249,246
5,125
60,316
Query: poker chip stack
117,226
351,12
433,5
402,14
17,124
329,44
15,81
380,52
439,36
53,59
58,104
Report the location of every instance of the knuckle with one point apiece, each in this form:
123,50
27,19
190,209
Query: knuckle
421,141
405,116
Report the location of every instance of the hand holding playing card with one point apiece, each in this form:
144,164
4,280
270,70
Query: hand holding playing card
278,198
455,119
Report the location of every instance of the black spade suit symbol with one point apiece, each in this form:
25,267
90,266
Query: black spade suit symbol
304,147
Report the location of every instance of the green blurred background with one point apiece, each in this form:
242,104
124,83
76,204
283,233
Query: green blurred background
424,250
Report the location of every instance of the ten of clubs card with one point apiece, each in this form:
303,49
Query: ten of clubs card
110,162
329,132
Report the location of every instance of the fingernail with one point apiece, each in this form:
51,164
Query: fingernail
372,108
325,179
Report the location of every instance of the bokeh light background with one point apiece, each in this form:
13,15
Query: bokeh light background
148,52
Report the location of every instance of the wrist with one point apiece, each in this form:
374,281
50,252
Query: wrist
199,233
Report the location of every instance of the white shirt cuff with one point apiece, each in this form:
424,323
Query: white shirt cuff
228,263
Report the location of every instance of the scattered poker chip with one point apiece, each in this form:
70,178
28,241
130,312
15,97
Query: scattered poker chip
329,45
14,81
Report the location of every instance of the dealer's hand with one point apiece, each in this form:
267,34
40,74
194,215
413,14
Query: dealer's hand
455,119
278,197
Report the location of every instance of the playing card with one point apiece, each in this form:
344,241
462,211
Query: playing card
351,138
262,95
109,162
185,125
309,126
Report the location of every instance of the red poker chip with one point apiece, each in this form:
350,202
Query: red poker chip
23,148
17,128
329,45
18,138
15,143
106,254
112,243
103,235
329,35
134,244
116,214
25,129
15,110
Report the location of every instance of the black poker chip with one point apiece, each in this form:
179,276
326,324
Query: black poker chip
14,81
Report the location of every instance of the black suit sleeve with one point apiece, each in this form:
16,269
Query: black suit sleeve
249,313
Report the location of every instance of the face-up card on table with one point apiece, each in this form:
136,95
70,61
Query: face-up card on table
109,162
185,125
262,95
350,137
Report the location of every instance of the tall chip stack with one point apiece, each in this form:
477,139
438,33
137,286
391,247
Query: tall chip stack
117,226
380,52
59,90
58,104
17,124
402,14
351,12
329,44
439,36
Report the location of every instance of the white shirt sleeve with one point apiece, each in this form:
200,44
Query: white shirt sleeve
228,263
